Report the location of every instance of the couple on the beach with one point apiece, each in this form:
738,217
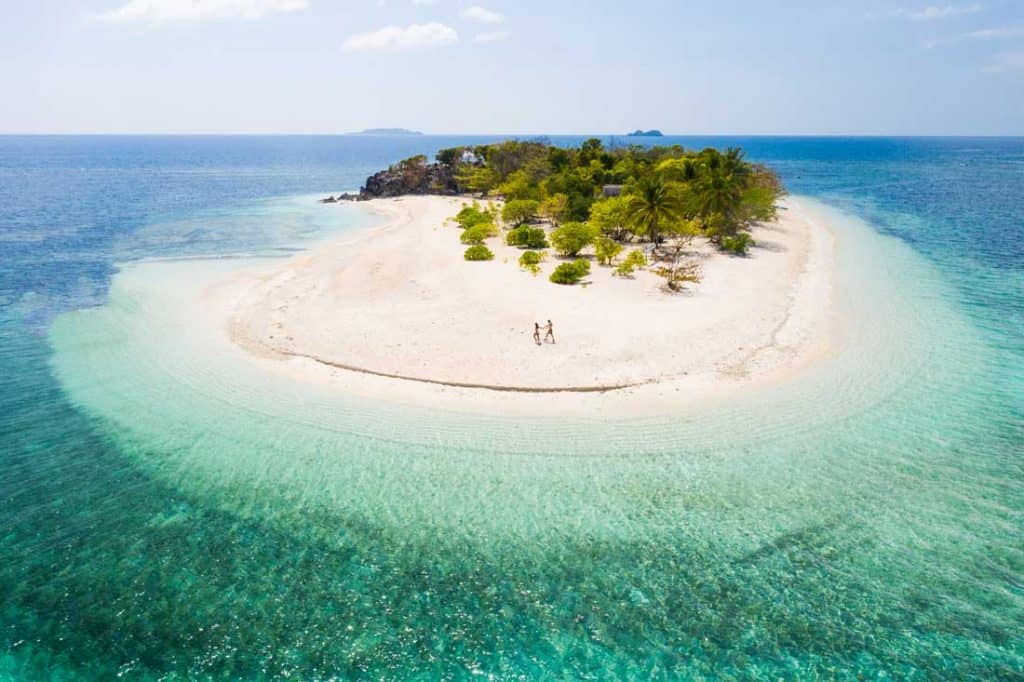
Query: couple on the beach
549,332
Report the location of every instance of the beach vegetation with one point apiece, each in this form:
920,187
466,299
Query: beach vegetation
471,214
478,252
678,274
530,260
738,243
661,196
606,249
651,203
520,211
571,273
527,238
476,179
478,233
519,187
555,208
609,217
572,237
627,266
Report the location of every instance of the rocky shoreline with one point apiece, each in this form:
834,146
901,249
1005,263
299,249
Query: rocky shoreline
412,176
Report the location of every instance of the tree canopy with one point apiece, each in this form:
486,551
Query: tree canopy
660,185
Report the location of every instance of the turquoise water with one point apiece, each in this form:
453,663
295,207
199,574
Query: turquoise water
171,513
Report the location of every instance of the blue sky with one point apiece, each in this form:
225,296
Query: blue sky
524,67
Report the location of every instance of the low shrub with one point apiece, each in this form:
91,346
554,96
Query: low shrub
680,274
530,260
527,238
571,273
606,250
473,215
737,243
633,260
478,252
478,233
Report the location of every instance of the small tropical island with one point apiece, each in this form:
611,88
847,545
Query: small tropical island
387,131
658,269
646,133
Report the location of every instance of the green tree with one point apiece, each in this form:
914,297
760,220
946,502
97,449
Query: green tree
652,204
518,185
675,267
480,179
519,211
571,238
609,217
555,208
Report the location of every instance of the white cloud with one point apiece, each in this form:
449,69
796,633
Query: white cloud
944,12
424,2
493,37
483,15
161,11
402,38
1002,63
996,33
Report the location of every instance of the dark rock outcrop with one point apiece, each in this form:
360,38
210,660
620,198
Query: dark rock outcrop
413,176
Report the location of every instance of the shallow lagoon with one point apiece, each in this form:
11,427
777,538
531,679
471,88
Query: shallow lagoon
186,515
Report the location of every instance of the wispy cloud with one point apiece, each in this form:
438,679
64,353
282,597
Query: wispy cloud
424,2
996,33
936,12
484,15
1002,63
492,37
163,11
402,38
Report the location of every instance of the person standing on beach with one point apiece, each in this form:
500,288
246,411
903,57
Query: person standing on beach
550,332
536,333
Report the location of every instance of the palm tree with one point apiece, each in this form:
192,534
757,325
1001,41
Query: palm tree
720,187
651,205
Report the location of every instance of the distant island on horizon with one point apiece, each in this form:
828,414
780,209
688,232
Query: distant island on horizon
387,131
646,133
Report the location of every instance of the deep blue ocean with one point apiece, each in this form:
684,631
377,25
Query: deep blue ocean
902,558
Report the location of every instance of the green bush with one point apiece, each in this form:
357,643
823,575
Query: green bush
520,211
471,215
571,273
633,260
530,260
606,250
571,238
527,238
478,252
737,243
477,233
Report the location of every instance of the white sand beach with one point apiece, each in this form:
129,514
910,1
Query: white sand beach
395,312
